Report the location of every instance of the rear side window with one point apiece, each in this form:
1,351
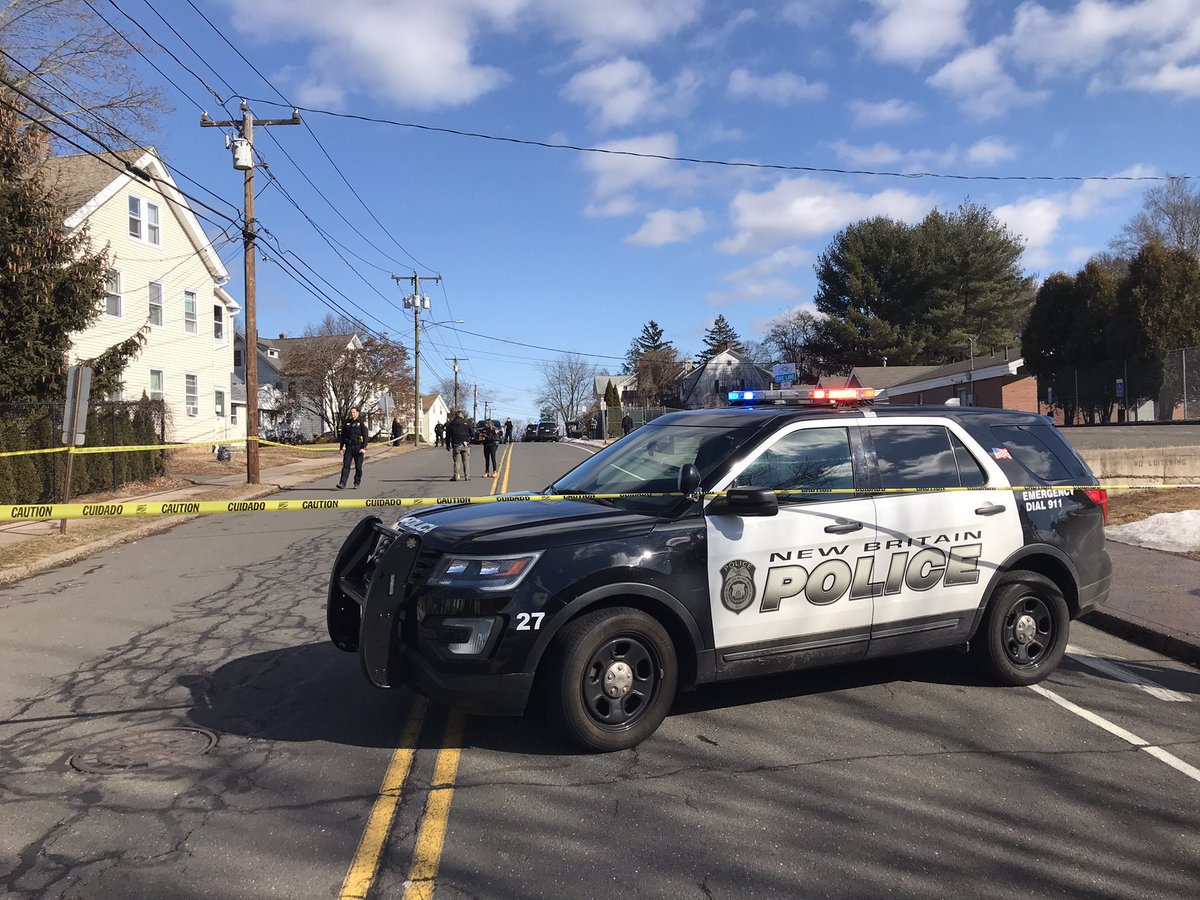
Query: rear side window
913,457
970,473
1041,450
804,460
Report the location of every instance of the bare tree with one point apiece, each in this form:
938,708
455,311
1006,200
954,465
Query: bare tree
789,339
657,372
64,55
567,385
332,369
1170,215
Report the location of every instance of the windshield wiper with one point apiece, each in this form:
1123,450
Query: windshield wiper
588,495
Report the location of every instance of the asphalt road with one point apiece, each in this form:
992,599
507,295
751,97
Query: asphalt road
903,777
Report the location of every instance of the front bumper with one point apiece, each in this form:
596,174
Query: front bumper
369,610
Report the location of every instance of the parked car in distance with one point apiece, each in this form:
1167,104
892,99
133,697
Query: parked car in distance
531,432
477,431
547,430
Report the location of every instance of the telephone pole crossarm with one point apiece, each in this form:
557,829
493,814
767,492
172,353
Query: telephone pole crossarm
416,300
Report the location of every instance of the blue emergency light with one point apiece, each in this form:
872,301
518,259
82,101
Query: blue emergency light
741,395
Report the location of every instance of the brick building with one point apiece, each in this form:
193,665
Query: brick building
997,380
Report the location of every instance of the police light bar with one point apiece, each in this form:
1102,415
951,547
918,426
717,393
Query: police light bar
802,397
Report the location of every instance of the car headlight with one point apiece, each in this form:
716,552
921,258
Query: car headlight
484,573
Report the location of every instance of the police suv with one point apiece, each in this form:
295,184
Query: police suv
794,529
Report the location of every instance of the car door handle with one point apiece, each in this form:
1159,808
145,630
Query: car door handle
990,510
843,527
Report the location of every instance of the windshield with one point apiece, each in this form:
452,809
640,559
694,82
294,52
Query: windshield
648,460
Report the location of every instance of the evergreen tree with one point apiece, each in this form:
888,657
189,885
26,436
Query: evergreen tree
920,294
612,399
51,283
26,480
50,466
8,493
720,336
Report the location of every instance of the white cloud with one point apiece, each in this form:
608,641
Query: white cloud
913,31
1171,78
616,174
780,260
798,208
983,89
782,88
355,46
1039,219
989,151
874,155
623,91
668,226
885,112
621,205
768,289
882,155
807,13
615,23
715,37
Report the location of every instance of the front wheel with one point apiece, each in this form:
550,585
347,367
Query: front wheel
611,679
1024,632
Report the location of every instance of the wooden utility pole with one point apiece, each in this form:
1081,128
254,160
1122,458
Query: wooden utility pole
456,360
243,158
415,301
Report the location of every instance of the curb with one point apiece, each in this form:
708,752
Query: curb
1182,648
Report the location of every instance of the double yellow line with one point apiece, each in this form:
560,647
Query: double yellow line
431,833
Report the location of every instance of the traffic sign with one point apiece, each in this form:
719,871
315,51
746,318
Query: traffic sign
784,372
1120,387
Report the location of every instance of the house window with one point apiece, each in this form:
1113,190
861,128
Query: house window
189,312
218,322
191,394
135,217
219,404
233,414
237,359
156,304
112,293
156,385
153,232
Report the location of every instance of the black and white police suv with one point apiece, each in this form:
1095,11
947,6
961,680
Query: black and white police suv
830,538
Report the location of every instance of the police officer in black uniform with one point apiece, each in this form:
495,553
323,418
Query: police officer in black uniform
352,441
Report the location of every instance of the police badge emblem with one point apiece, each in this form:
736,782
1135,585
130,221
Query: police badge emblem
737,585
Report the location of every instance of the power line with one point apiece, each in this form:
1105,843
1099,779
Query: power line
320,145
533,346
727,163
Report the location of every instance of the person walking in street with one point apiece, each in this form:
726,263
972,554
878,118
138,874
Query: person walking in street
352,441
397,430
508,426
627,423
439,430
491,438
458,439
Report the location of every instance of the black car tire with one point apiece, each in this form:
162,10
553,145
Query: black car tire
610,646
1024,632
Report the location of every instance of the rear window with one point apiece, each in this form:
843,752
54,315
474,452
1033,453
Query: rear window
1041,451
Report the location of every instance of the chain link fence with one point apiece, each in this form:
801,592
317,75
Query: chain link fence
39,478
1158,389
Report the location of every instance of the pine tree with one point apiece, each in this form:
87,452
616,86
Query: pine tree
612,400
8,493
51,282
26,481
720,336
50,466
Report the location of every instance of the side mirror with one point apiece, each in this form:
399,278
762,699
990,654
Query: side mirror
746,501
689,478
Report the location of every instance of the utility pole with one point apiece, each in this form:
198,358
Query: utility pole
243,158
475,405
416,301
456,360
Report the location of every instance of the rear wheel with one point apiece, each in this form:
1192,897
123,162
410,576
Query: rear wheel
1024,632
611,679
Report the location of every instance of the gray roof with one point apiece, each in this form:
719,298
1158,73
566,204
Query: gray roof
78,179
282,345
881,377
237,388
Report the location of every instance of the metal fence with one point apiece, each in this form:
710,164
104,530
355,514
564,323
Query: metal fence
39,478
1159,389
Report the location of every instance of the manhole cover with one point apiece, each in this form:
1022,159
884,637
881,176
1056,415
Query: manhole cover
143,750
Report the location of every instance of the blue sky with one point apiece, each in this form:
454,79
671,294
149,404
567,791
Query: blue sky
576,251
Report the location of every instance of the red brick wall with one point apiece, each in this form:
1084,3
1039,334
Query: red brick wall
1010,392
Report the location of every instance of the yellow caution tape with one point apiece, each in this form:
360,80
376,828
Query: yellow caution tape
139,448
32,452
116,508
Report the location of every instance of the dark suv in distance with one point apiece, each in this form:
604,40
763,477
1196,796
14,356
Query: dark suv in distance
547,430
530,432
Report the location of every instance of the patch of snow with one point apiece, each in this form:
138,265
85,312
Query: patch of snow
1175,532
